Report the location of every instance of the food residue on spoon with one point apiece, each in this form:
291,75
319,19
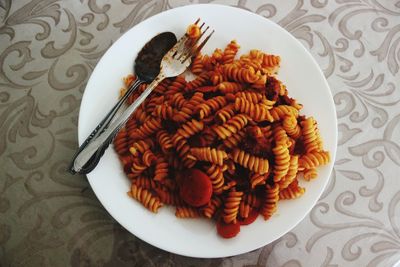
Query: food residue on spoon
147,64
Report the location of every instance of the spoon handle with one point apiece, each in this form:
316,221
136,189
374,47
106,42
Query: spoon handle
105,122
88,158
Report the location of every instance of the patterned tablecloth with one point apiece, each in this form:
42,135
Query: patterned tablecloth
48,48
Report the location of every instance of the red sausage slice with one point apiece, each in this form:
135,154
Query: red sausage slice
195,188
227,230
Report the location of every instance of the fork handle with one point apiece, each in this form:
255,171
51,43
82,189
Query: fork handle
105,121
88,158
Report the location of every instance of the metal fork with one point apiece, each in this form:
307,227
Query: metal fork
175,62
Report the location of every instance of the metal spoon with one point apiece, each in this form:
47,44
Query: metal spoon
146,67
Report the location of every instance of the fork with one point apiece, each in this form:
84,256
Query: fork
175,62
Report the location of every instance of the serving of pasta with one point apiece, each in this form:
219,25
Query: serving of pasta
227,145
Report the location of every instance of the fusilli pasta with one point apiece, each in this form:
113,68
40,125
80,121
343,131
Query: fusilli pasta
233,131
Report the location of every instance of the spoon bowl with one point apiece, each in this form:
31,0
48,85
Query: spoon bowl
148,60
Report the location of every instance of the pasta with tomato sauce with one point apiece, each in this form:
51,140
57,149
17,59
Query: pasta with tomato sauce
227,146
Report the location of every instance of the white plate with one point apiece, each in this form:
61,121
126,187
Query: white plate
198,237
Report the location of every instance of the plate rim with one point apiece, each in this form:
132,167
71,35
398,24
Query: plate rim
332,153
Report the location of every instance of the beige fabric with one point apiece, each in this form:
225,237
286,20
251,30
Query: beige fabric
48,48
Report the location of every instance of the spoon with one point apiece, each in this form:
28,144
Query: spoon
146,68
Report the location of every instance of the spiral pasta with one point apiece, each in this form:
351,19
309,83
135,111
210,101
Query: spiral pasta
310,138
218,55
139,116
279,112
188,108
291,127
148,158
161,169
233,141
176,86
144,182
187,130
292,191
269,207
162,87
149,127
197,64
141,146
270,63
314,159
225,113
187,212
233,132
232,126
121,142
291,174
163,111
178,100
209,154
257,112
182,148
253,97
169,198
216,174
217,77
231,206
280,136
230,52
211,105
229,87
212,207
152,103
253,200
244,208
131,125
145,197
164,141
257,179
200,80
234,73
282,161
253,163
310,174
271,60
138,168
210,62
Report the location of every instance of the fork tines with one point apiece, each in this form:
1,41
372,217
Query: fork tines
191,47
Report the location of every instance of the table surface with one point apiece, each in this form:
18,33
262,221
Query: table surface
48,48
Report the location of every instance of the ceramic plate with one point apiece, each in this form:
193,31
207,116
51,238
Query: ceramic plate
198,237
